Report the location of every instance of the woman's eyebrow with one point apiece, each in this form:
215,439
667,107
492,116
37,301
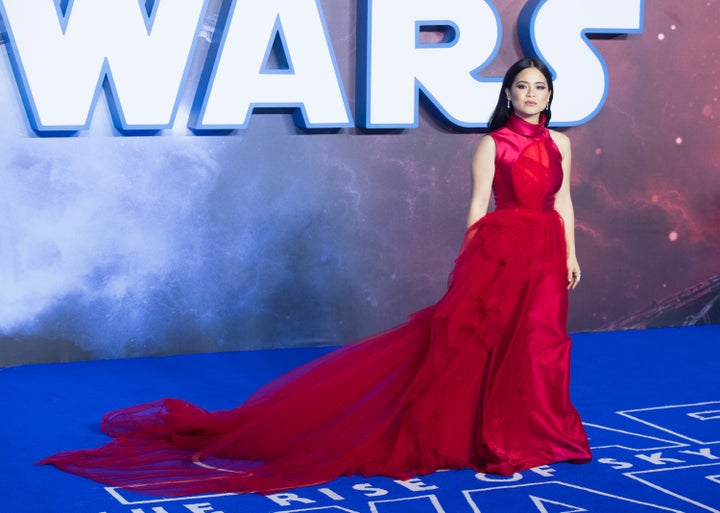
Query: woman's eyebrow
527,82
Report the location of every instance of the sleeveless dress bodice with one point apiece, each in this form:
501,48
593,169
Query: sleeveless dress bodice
528,167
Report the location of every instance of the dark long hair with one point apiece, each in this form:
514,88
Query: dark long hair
502,113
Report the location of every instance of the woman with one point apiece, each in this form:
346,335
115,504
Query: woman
479,380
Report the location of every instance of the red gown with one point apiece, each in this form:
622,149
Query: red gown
479,380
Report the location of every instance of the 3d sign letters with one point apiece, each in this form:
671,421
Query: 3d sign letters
65,54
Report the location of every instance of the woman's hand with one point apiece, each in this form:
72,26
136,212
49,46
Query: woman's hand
573,273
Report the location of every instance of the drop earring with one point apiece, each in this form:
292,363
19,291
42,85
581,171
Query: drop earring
508,103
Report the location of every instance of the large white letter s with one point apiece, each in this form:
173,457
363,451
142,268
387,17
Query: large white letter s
556,31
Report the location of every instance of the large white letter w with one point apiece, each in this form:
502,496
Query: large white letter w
62,58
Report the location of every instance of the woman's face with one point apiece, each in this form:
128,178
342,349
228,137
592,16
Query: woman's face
529,94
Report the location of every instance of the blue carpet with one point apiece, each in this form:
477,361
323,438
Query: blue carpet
650,401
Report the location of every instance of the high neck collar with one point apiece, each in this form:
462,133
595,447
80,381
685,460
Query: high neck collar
522,127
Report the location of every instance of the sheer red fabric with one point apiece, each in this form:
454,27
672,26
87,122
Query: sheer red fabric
479,380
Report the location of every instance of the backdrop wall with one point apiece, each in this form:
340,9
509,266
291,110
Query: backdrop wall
114,244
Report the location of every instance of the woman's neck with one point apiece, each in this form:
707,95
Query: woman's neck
529,118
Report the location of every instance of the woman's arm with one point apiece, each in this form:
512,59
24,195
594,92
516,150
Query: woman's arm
564,206
483,172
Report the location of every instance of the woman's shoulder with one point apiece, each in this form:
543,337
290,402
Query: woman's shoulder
487,144
561,140
485,151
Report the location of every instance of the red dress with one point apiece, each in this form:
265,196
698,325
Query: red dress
479,380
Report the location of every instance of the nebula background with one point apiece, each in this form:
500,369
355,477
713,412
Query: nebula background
114,246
